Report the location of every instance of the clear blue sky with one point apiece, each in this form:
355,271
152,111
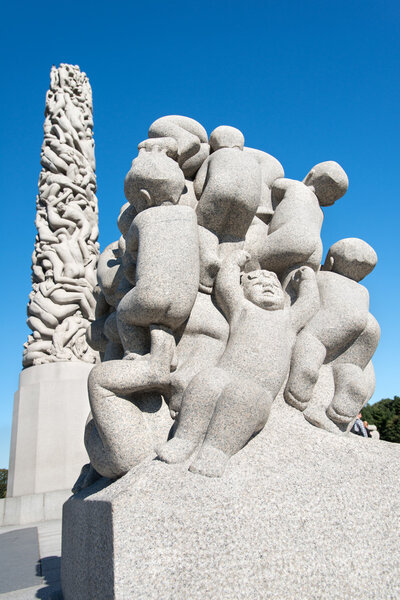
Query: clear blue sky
305,81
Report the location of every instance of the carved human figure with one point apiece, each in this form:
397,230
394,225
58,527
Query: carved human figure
71,333
295,228
41,304
224,406
65,263
342,333
66,247
201,342
228,187
103,333
34,349
191,138
163,243
113,285
271,169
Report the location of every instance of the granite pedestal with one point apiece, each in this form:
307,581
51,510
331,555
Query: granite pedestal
47,450
299,513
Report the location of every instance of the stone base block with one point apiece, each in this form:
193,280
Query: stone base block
21,510
299,513
50,411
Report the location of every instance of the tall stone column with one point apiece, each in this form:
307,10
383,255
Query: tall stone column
51,405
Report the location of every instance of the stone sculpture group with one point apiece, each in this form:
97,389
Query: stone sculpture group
214,299
62,303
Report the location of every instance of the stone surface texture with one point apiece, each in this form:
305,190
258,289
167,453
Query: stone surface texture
62,304
47,449
232,355
31,508
214,296
290,518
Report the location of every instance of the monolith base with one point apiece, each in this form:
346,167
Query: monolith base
47,451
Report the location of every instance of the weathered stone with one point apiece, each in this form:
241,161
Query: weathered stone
213,304
62,304
286,519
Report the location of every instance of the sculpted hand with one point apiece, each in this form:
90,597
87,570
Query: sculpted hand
302,274
242,258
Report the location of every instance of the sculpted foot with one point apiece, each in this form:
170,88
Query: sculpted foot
299,389
318,417
341,421
210,462
176,450
294,401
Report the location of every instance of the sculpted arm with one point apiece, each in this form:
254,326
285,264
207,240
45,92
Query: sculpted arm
278,190
47,292
200,180
308,301
228,291
130,254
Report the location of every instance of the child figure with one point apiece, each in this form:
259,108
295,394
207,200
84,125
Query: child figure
342,332
228,187
294,231
161,260
224,406
163,243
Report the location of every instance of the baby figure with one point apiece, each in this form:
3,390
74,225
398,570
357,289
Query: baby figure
161,261
342,332
294,231
162,243
228,187
223,407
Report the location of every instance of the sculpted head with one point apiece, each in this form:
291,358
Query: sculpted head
126,216
154,177
225,136
263,288
328,181
352,258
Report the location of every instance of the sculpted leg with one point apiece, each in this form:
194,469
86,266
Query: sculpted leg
307,358
289,245
350,394
120,425
48,318
241,411
36,325
197,408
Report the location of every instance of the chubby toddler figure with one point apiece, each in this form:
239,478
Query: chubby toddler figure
225,406
342,333
295,228
162,245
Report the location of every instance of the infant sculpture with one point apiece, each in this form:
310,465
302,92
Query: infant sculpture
214,299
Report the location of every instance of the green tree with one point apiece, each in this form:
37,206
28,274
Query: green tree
3,482
385,414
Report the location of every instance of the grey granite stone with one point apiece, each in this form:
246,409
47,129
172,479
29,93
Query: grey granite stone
62,303
213,304
224,406
290,518
293,237
342,334
191,138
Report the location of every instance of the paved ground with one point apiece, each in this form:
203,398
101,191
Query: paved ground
30,560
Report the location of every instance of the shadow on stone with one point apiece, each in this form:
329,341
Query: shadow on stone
49,568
